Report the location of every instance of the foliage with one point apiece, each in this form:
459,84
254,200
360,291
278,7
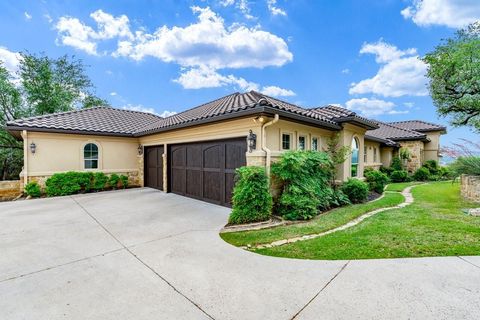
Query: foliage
387,170
432,167
399,176
466,165
356,190
100,181
338,154
113,180
305,182
404,154
339,199
251,198
396,164
62,184
54,85
376,180
33,189
466,155
454,72
124,181
422,174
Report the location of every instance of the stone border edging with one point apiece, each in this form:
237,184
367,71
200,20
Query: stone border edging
408,200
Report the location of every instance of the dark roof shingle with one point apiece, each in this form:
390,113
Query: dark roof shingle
418,125
391,133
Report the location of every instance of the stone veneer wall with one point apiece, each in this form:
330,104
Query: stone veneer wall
470,187
416,150
10,189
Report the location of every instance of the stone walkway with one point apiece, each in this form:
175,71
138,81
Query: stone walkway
408,200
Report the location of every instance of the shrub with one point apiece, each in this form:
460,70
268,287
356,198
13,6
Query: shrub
396,164
432,167
113,181
304,177
387,170
376,180
422,174
251,198
339,198
466,165
399,176
356,190
33,189
62,184
124,181
99,181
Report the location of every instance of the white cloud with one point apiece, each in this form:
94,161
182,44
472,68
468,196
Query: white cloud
242,5
203,77
409,104
10,60
166,114
113,93
74,33
142,108
401,72
27,16
274,10
372,107
450,13
346,71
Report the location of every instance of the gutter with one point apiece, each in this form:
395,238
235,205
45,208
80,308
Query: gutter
268,152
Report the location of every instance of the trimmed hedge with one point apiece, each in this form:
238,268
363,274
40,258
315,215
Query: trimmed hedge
356,190
252,201
399,176
422,174
376,180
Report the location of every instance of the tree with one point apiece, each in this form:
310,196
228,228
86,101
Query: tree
11,156
454,72
55,85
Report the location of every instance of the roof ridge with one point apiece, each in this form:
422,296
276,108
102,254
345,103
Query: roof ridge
416,120
399,128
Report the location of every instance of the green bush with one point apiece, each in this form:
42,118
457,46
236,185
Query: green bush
113,181
422,174
356,190
376,180
387,170
33,189
399,176
62,184
99,181
124,181
396,164
252,201
339,198
304,177
432,167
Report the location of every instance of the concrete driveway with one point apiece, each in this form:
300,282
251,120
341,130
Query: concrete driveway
143,254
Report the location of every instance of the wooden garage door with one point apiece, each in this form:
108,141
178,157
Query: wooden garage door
206,170
154,167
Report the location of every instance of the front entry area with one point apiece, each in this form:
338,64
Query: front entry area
206,170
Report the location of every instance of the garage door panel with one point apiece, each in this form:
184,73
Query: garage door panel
154,167
206,170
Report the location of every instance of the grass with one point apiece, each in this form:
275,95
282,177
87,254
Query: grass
399,186
323,222
433,225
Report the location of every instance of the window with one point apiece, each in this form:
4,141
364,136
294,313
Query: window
374,154
301,143
354,169
315,144
365,154
90,156
286,141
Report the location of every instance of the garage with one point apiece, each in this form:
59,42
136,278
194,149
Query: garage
154,167
206,170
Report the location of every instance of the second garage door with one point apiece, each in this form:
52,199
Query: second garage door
206,170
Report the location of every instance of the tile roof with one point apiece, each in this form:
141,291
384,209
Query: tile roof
419,125
98,120
391,133
339,114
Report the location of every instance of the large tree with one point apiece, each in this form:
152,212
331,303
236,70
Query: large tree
54,85
454,72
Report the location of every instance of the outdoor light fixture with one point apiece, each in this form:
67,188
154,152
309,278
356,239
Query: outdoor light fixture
33,147
140,150
252,141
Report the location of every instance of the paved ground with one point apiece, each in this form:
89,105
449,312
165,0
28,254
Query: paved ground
143,254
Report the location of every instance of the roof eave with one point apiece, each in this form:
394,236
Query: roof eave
67,131
382,141
358,121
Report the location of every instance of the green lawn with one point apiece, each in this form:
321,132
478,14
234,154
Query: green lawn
433,225
323,222
398,187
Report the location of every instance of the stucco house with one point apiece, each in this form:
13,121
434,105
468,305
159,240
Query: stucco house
195,153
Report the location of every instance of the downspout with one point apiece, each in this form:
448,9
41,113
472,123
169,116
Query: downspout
268,152
25,158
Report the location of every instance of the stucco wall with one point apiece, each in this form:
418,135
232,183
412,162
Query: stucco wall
372,161
386,156
346,135
432,148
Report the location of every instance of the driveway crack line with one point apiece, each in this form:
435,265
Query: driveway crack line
323,288
473,264
140,260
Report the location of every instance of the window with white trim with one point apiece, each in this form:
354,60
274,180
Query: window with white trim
90,156
286,141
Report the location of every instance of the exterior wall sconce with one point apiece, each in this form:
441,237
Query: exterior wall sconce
140,149
252,141
33,147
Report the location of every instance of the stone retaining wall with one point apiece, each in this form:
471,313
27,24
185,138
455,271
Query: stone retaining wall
470,187
10,189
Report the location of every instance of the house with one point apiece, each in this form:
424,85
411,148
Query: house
195,153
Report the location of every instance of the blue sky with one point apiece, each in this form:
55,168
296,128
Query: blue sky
167,56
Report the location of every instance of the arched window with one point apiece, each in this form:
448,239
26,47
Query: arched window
355,146
90,156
